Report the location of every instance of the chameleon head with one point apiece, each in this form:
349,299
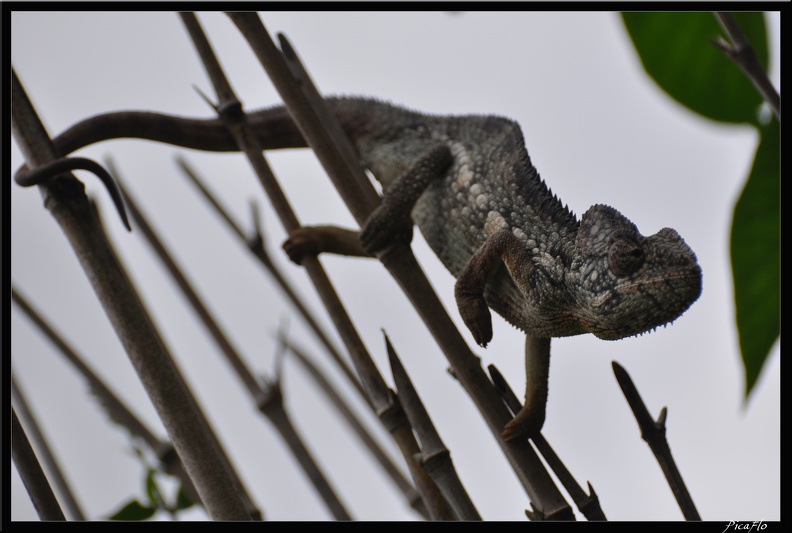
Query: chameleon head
631,283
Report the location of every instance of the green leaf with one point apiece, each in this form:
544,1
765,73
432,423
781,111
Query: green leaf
183,500
152,490
676,52
134,510
756,256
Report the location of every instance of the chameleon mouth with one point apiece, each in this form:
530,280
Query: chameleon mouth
681,281
654,302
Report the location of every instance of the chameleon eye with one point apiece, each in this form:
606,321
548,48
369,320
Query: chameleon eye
625,257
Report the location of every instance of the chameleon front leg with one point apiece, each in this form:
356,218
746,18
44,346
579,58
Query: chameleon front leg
503,247
390,222
500,247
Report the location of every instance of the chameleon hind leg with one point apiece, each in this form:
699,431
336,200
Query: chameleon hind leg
530,419
390,221
503,247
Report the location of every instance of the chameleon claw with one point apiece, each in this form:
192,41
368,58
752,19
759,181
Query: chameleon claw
481,329
480,326
476,315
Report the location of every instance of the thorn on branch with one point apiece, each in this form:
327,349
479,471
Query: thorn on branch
256,240
206,98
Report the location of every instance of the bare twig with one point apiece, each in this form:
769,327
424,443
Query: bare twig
654,433
169,394
588,504
225,345
195,180
310,115
260,395
270,403
230,111
373,382
114,407
222,341
118,412
255,244
20,404
435,457
359,429
742,53
31,473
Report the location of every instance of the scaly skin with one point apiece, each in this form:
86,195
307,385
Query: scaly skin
599,275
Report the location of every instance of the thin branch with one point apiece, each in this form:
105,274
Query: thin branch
393,473
110,402
66,200
588,504
270,403
31,473
302,101
654,433
435,457
255,390
115,408
20,404
742,53
195,180
186,287
211,325
379,395
255,244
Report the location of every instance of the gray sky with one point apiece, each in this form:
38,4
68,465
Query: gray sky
596,127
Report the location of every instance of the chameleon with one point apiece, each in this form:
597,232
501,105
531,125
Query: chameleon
468,184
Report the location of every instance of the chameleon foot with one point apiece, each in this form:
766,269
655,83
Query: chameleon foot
526,424
384,227
313,240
